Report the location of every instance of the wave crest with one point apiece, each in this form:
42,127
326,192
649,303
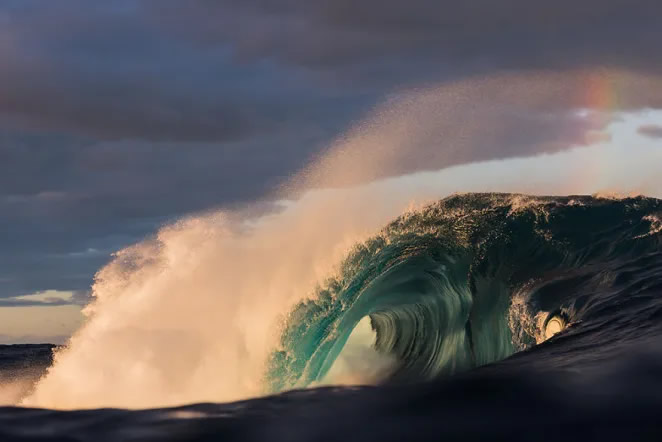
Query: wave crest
469,281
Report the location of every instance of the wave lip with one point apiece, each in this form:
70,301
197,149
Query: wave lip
475,278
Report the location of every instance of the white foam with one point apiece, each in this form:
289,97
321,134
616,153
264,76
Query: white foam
192,314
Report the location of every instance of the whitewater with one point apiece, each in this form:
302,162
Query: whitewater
193,314
230,305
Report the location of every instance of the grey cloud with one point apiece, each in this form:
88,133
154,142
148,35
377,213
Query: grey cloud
80,297
225,70
651,131
106,74
13,302
481,34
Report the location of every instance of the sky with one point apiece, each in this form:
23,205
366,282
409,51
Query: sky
119,117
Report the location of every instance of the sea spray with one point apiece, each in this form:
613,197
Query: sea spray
194,313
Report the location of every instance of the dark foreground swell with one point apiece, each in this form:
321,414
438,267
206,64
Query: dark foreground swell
509,264
544,395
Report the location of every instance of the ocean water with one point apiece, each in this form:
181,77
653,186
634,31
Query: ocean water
478,317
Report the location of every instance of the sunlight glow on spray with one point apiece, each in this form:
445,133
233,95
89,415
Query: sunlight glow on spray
191,314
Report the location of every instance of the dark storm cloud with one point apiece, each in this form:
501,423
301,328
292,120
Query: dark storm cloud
651,131
477,34
105,72
117,116
224,70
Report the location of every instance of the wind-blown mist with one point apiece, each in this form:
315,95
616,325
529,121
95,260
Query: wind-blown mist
193,313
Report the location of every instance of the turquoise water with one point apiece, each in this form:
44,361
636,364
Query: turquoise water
467,281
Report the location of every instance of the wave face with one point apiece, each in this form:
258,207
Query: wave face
475,278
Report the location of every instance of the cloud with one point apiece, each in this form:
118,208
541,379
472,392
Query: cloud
105,72
451,35
33,339
651,131
48,298
228,70
118,117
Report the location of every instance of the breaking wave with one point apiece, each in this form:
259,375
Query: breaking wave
474,278
312,289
